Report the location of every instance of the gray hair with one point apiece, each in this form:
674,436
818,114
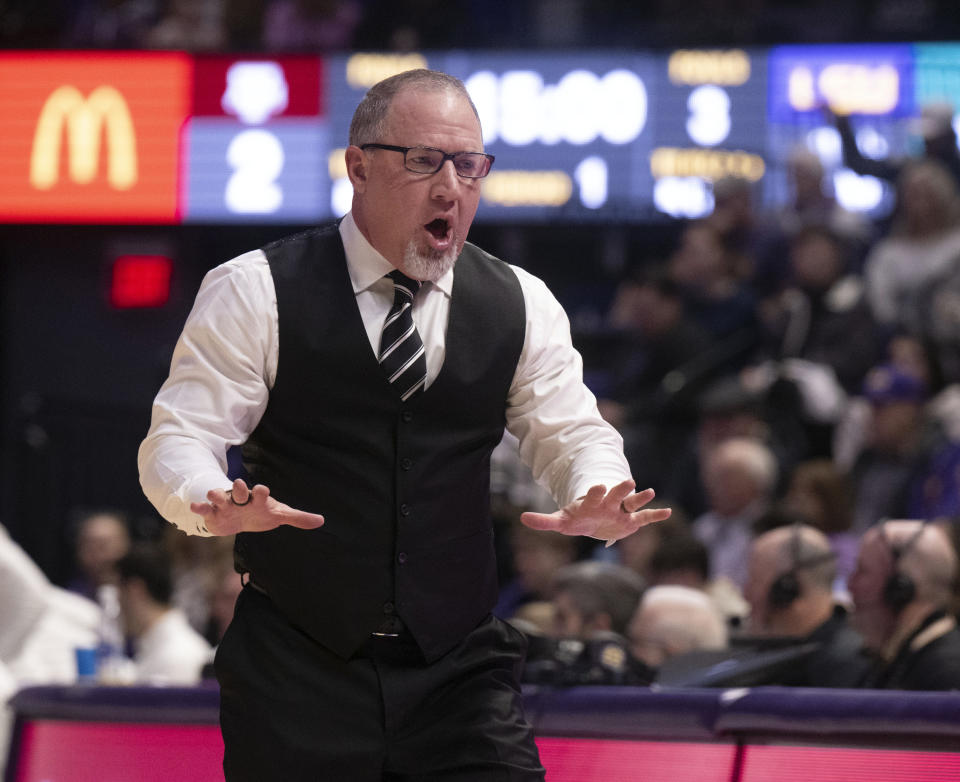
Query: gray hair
370,117
682,619
601,587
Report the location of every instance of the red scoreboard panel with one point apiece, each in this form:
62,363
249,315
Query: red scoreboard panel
91,137
73,751
762,763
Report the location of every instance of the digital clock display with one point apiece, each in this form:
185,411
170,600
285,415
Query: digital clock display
629,136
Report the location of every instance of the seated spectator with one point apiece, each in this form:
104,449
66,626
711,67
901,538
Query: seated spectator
822,316
40,625
739,477
813,203
821,494
907,465
711,278
767,409
923,244
166,649
653,342
935,128
673,620
902,589
102,538
536,558
681,559
594,597
754,241
196,566
790,591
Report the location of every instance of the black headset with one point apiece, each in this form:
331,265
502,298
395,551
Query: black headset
899,590
786,587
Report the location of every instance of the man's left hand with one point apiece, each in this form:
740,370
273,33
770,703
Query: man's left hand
605,515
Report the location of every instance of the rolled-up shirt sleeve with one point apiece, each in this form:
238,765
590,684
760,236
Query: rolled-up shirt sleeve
223,367
564,440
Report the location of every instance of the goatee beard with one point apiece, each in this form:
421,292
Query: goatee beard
429,264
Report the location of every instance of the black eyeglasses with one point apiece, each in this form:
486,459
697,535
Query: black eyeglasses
427,160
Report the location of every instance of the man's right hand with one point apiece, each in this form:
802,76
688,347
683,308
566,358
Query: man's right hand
242,509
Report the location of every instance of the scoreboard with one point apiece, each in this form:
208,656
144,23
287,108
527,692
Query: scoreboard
629,136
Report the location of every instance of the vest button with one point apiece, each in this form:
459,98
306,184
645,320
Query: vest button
388,607
405,463
404,510
407,416
401,558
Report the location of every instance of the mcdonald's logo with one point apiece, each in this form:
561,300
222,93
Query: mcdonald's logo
92,136
86,119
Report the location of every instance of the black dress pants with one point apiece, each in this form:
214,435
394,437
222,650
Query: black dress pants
293,711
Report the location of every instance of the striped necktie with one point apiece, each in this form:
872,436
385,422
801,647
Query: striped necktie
401,349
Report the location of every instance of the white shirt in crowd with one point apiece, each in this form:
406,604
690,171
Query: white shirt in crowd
170,652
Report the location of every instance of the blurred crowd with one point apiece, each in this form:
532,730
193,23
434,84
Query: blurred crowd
338,25
788,382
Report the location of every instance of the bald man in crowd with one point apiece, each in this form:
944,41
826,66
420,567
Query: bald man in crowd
902,588
672,620
789,588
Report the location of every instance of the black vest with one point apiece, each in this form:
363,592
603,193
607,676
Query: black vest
404,487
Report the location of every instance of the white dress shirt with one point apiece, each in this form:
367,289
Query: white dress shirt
225,364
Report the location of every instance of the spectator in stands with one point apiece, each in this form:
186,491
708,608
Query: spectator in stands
681,559
536,556
753,238
902,589
311,25
656,338
673,620
813,204
636,551
739,477
935,128
660,359
711,277
196,567
40,624
727,408
822,316
102,537
907,465
166,649
923,245
594,597
822,495
790,590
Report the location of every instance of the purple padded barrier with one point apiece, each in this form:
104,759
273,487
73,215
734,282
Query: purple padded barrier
888,717
623,712
179,705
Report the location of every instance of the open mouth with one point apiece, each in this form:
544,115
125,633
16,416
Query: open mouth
439,228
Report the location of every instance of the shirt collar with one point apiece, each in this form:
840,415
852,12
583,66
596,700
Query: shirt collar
366,266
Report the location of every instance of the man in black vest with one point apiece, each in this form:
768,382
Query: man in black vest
368,383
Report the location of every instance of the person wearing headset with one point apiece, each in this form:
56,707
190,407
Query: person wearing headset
789,587
902,587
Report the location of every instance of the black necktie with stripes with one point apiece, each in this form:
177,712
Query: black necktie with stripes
401,349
